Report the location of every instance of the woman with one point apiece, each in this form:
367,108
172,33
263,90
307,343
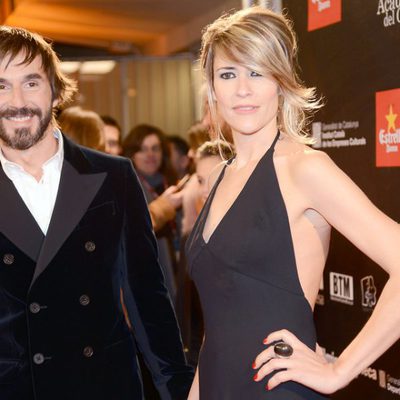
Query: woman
84,127
197,135
258,249
147,146
208,157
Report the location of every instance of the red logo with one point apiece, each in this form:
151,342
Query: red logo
388,128
322,13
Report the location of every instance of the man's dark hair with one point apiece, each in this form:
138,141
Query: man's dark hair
180,144
15,41
108,120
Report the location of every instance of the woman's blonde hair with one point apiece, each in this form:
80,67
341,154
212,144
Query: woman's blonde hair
264,42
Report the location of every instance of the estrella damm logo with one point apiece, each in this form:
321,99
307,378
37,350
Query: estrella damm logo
322,13
388,128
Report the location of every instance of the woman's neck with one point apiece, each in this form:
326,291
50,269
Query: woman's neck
250,148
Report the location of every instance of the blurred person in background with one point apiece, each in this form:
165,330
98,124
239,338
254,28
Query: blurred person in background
112,135
84,127
191,204
180,159
147,147
198,134
208,156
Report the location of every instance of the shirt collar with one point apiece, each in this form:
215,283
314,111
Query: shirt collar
54,161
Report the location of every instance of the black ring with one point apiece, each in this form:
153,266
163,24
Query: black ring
283,349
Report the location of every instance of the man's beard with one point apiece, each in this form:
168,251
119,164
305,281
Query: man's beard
23,138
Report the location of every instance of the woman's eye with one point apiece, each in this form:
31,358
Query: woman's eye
254,73
227,75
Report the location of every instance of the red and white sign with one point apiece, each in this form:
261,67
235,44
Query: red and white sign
322,13
388,128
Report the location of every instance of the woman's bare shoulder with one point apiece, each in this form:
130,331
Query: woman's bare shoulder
300,158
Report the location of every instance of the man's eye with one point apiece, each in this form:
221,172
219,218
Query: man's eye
2,87
32,84
227,75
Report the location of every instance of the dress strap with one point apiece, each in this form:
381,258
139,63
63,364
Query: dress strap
278,134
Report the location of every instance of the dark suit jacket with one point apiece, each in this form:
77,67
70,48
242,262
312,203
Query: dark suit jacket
63,335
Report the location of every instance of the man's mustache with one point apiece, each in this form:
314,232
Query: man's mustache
20,112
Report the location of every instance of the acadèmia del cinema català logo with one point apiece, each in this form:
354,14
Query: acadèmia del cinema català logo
388,128
322,13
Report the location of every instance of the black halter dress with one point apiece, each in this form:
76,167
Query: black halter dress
247,280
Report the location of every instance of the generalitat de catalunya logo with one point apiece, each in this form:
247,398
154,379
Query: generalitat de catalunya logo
388,128
322,13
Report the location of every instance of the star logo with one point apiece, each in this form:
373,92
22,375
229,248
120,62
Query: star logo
387,105
322,13
391,118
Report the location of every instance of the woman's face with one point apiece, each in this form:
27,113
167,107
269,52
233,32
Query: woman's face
246,100
149,158
204,167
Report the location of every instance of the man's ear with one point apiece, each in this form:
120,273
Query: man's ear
55,103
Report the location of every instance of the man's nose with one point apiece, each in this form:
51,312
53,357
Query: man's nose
17,99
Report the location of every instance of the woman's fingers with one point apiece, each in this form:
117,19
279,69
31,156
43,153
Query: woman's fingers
303,365
282,335
272,365
294,345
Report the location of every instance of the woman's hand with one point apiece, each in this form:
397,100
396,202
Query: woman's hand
310,368
173,196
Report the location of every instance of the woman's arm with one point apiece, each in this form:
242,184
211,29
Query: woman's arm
194,393
163,208
330,192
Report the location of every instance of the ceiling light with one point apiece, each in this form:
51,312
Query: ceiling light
70,67
97,67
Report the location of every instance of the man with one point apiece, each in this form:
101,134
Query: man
180,160
74,234
112,135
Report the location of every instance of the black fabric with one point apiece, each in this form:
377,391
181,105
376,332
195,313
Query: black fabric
247,280
99,241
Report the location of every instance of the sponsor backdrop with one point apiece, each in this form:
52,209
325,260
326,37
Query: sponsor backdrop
349,50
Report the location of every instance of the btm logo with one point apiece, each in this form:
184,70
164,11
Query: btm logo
368,292
341,288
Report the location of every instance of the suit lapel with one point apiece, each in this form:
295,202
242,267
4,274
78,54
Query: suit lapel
16,221
78,187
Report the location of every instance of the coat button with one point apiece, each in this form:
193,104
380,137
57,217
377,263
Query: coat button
38,358
34,308
84,300
8,259
90,246
88,351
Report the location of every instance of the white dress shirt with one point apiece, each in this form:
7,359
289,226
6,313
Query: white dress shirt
39,197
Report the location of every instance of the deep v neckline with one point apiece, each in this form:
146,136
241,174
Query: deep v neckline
237,199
